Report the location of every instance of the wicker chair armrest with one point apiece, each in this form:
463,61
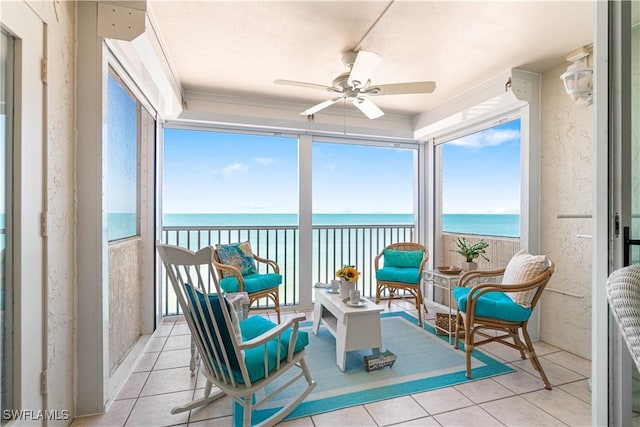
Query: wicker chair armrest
227,268
423,264
269,263
376,260
467,276
264,338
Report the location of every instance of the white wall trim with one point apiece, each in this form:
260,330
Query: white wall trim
273,115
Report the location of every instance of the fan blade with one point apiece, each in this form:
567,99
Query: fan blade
369,109
363,67
301,84
402,88
320,106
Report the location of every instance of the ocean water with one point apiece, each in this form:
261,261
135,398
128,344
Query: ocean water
504,225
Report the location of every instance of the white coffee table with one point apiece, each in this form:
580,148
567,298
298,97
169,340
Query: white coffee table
354,328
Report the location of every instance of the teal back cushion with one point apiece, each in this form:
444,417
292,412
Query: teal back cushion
200,303
402,259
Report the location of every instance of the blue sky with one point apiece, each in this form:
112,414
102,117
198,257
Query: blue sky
210,172
481,171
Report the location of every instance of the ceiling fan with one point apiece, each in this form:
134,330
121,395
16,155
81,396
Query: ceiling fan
355,86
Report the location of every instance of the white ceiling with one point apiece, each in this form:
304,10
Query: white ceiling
241,47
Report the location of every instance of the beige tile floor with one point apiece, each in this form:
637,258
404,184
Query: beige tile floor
161,380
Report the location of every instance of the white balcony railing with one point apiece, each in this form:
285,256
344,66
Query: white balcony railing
333,246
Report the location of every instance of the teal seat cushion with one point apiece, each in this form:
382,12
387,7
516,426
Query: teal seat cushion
495,305
409,276
402,259
254,357
252,282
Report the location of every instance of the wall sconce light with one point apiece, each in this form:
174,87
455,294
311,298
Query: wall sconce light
577,78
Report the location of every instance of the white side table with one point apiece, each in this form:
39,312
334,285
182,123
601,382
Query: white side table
433,280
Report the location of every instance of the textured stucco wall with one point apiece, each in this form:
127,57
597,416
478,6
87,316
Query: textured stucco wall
60,186
566,189
124,298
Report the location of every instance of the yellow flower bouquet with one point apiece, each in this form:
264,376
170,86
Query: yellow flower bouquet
348,273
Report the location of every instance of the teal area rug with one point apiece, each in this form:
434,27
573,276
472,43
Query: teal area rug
426,361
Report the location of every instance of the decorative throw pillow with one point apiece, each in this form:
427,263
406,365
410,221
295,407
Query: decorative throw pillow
522,268
402,259
238,255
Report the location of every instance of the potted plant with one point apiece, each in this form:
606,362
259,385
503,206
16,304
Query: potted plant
470,252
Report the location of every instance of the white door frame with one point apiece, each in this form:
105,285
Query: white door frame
29,279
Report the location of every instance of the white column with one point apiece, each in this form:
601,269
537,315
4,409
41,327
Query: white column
305,210
92,322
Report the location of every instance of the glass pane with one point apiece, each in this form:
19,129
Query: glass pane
6,285
477,192
362,201
122,159
481,182
232,187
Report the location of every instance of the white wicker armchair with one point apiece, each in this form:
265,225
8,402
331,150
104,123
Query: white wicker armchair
623,293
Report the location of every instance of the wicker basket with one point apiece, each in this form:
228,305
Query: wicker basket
442,321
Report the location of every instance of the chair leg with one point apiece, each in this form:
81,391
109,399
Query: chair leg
456,341
247,403
468,345
378,293
392,295
203,401
518,342
534,359
418,301
276,303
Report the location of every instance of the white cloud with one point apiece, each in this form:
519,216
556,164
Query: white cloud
233,168
488,138
265,161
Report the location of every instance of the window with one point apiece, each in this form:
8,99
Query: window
223,187
480,182
122,160
363,199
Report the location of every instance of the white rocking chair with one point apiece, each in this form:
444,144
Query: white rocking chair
238,368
